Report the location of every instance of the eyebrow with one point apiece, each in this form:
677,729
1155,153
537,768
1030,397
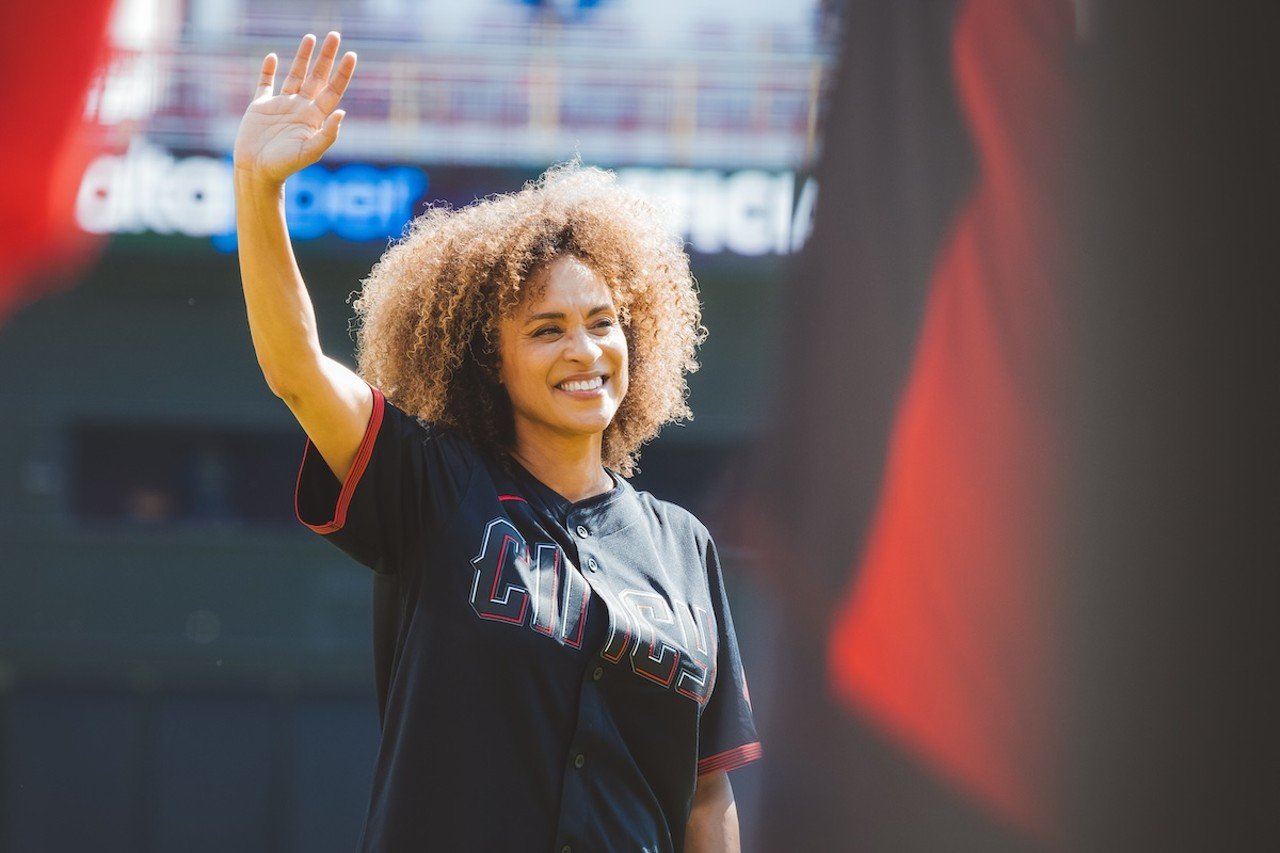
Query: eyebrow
559,315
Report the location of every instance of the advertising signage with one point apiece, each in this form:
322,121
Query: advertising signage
150,190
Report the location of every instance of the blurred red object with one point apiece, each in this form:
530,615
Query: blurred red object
947,637
52,51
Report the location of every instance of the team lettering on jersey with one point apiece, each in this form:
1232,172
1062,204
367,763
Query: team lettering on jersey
668,642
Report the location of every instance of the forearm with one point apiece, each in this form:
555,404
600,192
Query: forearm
281,318
713,820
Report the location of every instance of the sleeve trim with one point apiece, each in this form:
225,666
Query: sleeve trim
363,454
730,760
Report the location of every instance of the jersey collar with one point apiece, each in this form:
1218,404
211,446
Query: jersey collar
599,515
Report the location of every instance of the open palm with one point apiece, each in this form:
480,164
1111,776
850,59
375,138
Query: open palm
283,133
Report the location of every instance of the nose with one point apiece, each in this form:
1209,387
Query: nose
581,347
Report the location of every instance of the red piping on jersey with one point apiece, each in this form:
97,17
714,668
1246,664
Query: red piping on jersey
729,760
363,453
512,498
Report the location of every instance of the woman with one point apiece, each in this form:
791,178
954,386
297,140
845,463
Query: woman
556,664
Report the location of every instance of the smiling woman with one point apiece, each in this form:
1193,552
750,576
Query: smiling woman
563,365
543,632
431,309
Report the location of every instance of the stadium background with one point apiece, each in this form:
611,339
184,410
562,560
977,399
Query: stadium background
182,665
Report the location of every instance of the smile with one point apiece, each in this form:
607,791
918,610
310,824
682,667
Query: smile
582,384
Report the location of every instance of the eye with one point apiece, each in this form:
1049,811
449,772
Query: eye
605,323
546,331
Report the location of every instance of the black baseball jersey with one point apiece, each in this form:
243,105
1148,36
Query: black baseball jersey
552,675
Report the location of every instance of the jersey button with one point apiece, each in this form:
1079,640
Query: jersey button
582,531
579,760
592,565
598,674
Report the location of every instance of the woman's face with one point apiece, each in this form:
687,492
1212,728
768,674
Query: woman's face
563,355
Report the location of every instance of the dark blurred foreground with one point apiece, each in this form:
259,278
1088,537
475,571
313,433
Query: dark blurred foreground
1158,649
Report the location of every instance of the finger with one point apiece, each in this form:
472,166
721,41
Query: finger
298,71
314,147
319,75
267,79
328,99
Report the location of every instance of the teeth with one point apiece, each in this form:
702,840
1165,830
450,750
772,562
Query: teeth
583,385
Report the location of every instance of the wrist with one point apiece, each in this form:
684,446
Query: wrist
248,178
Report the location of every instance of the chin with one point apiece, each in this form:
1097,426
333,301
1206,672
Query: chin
588,426
591,428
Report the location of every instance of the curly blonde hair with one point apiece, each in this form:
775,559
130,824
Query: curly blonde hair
429,310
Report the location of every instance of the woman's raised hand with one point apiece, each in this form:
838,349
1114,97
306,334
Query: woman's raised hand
282,134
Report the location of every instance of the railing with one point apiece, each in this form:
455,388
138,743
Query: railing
498,103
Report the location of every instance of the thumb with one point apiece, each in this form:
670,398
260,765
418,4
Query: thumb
327,135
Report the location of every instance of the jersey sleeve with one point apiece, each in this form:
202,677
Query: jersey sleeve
407,478
727,736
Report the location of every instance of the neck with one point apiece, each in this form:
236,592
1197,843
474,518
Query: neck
570,465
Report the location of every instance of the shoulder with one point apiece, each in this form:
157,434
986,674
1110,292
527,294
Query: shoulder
411,426
437,448
675,519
